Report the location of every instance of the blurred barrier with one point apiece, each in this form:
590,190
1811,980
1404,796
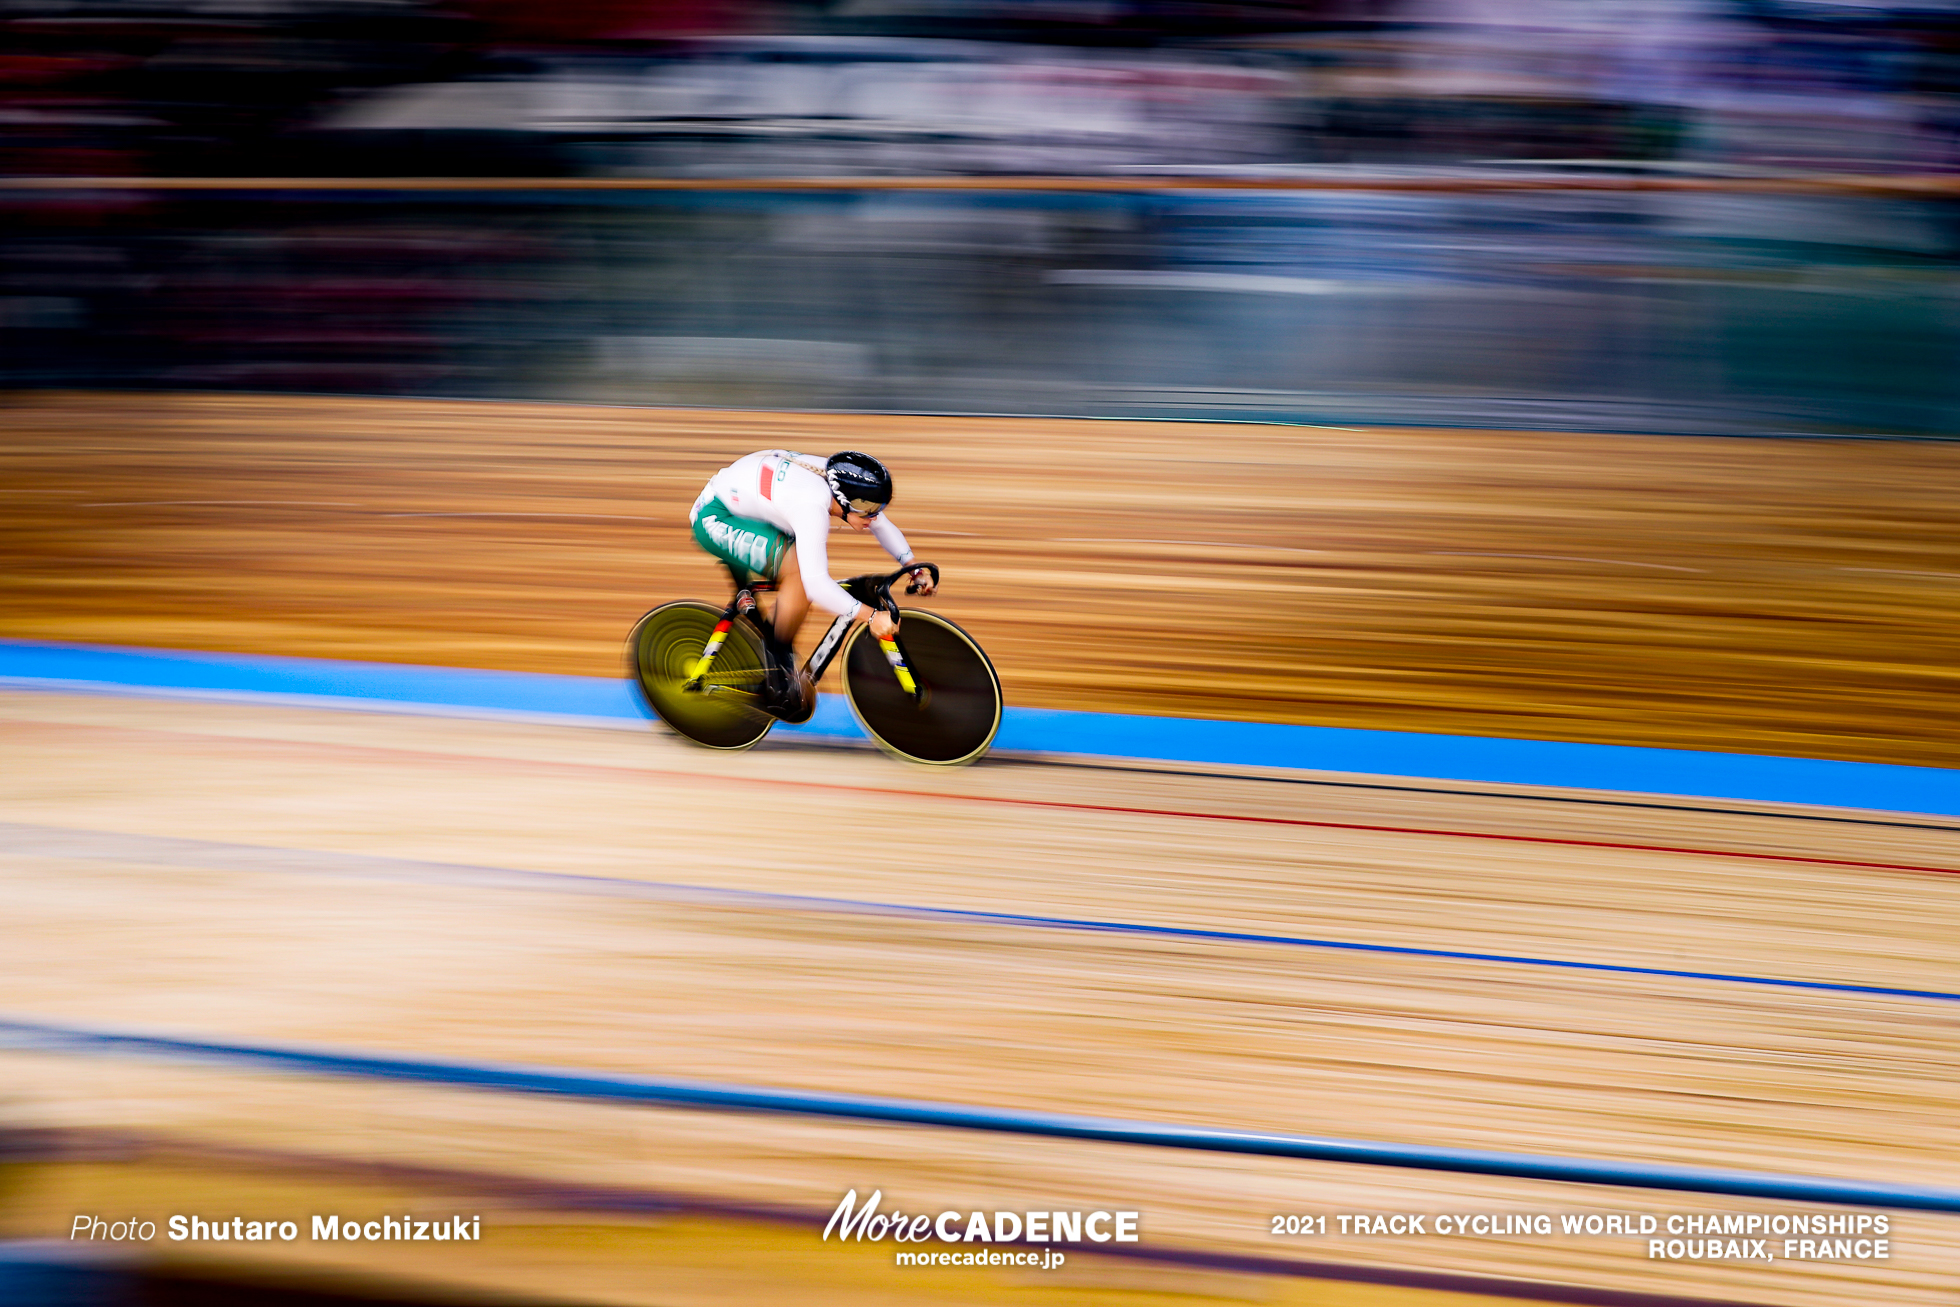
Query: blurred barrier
605,1087
1577,299
1141,181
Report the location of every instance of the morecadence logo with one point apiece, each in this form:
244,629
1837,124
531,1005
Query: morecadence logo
866,1223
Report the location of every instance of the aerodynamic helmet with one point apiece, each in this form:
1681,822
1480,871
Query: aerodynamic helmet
858,482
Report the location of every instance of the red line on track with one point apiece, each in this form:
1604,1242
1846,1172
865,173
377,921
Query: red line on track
313,749
1467,834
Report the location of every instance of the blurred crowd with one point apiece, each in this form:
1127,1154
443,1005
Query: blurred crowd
1632,310
1685,312
764,87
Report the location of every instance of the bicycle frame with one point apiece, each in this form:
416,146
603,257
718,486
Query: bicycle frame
871,590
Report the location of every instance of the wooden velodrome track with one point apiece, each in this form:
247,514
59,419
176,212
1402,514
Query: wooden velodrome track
269,875
1747,595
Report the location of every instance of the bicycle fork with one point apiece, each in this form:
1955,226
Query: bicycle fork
875,593
896,657
894,654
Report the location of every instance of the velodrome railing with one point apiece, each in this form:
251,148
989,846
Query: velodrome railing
1898,186
1633,301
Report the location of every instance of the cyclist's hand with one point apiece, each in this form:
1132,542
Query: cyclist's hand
922,582
883,624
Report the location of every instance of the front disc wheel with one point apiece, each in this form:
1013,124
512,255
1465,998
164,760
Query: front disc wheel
957,713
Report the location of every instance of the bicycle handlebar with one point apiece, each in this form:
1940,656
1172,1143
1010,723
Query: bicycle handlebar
910,568
876,591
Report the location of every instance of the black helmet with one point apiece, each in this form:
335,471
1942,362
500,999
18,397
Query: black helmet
858,482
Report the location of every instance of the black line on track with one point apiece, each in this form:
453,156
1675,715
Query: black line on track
1142,766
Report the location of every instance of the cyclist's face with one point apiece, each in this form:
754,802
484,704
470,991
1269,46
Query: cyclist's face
859,521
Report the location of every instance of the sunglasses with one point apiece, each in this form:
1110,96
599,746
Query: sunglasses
864,507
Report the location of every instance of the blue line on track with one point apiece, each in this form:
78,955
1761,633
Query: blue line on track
1031,729
252,676
1477,759
611,1087
58,842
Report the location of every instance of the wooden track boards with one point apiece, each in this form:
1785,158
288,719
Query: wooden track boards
1742,595
189,896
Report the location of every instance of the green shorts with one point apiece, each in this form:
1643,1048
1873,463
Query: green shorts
745,544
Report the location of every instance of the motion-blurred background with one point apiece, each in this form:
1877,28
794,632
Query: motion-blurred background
1569,369
1672,215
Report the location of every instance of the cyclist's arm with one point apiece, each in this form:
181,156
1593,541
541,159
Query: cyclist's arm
887,534
813,564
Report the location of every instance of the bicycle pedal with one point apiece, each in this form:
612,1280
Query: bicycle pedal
793,705
794,714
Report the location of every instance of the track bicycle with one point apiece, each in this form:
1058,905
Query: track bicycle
928,695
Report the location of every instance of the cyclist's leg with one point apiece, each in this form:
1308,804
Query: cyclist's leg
792,605
756,549
792,602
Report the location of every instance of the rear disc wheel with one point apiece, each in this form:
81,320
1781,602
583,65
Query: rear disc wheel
724,711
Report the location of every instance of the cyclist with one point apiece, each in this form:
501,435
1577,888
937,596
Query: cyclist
769,515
